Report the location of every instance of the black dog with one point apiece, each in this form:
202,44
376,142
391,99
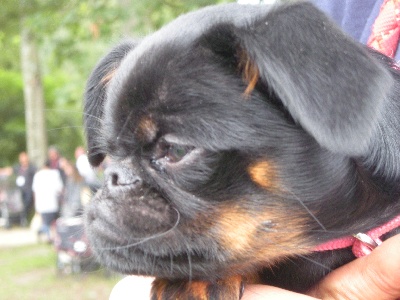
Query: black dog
242,138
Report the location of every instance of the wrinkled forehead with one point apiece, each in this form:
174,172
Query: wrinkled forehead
171,91
187,95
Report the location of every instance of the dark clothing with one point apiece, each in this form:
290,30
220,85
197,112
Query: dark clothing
55,164
24,179
49,218
355,17
47,221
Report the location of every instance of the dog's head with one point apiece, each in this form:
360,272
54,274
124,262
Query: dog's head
230,131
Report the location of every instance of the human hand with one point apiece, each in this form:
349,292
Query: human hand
376,276
132,287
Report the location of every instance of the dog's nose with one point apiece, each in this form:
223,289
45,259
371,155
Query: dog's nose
121,176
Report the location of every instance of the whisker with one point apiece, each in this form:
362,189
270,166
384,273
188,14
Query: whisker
305,257
143,240
311,230
65,127
125,124
190,266
314,262
307,209
171,264
93,116
153,265
94,128
63,110
76,112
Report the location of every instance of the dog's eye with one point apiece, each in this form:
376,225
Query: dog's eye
177,152
171,153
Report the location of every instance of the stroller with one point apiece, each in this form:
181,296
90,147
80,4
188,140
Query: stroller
73,252
11,203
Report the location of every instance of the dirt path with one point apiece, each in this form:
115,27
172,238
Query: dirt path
16,237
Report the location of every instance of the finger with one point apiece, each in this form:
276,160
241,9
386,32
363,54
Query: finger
130,286
262,292
376,276
140,287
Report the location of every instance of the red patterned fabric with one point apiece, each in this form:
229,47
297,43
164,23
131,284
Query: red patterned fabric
386,29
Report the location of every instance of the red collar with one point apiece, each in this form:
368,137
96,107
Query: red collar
362,244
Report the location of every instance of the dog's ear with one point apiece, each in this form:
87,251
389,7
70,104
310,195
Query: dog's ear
95,98
329,83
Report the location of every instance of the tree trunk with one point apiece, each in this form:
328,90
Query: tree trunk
36,138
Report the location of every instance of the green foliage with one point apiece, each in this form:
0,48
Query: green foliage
12,117
151,15
63,117
63,114
9,46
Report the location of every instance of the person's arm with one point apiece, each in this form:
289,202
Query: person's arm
7,171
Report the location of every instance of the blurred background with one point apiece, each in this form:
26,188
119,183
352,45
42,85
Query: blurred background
48,49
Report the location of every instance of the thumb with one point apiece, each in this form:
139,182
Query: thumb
376,276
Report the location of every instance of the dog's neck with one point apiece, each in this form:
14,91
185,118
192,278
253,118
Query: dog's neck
362,243
366,201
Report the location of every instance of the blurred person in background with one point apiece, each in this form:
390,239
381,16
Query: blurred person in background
54,158
47,187
75,190
24,172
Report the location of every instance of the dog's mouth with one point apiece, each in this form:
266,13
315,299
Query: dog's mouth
128,217
133,260
144,236
147,235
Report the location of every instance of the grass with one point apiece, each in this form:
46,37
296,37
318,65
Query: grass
29,272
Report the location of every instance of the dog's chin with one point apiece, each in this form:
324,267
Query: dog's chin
144,236
137,261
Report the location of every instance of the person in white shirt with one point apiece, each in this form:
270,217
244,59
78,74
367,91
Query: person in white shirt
47,187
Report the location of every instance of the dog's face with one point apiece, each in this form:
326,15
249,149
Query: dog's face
233,133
